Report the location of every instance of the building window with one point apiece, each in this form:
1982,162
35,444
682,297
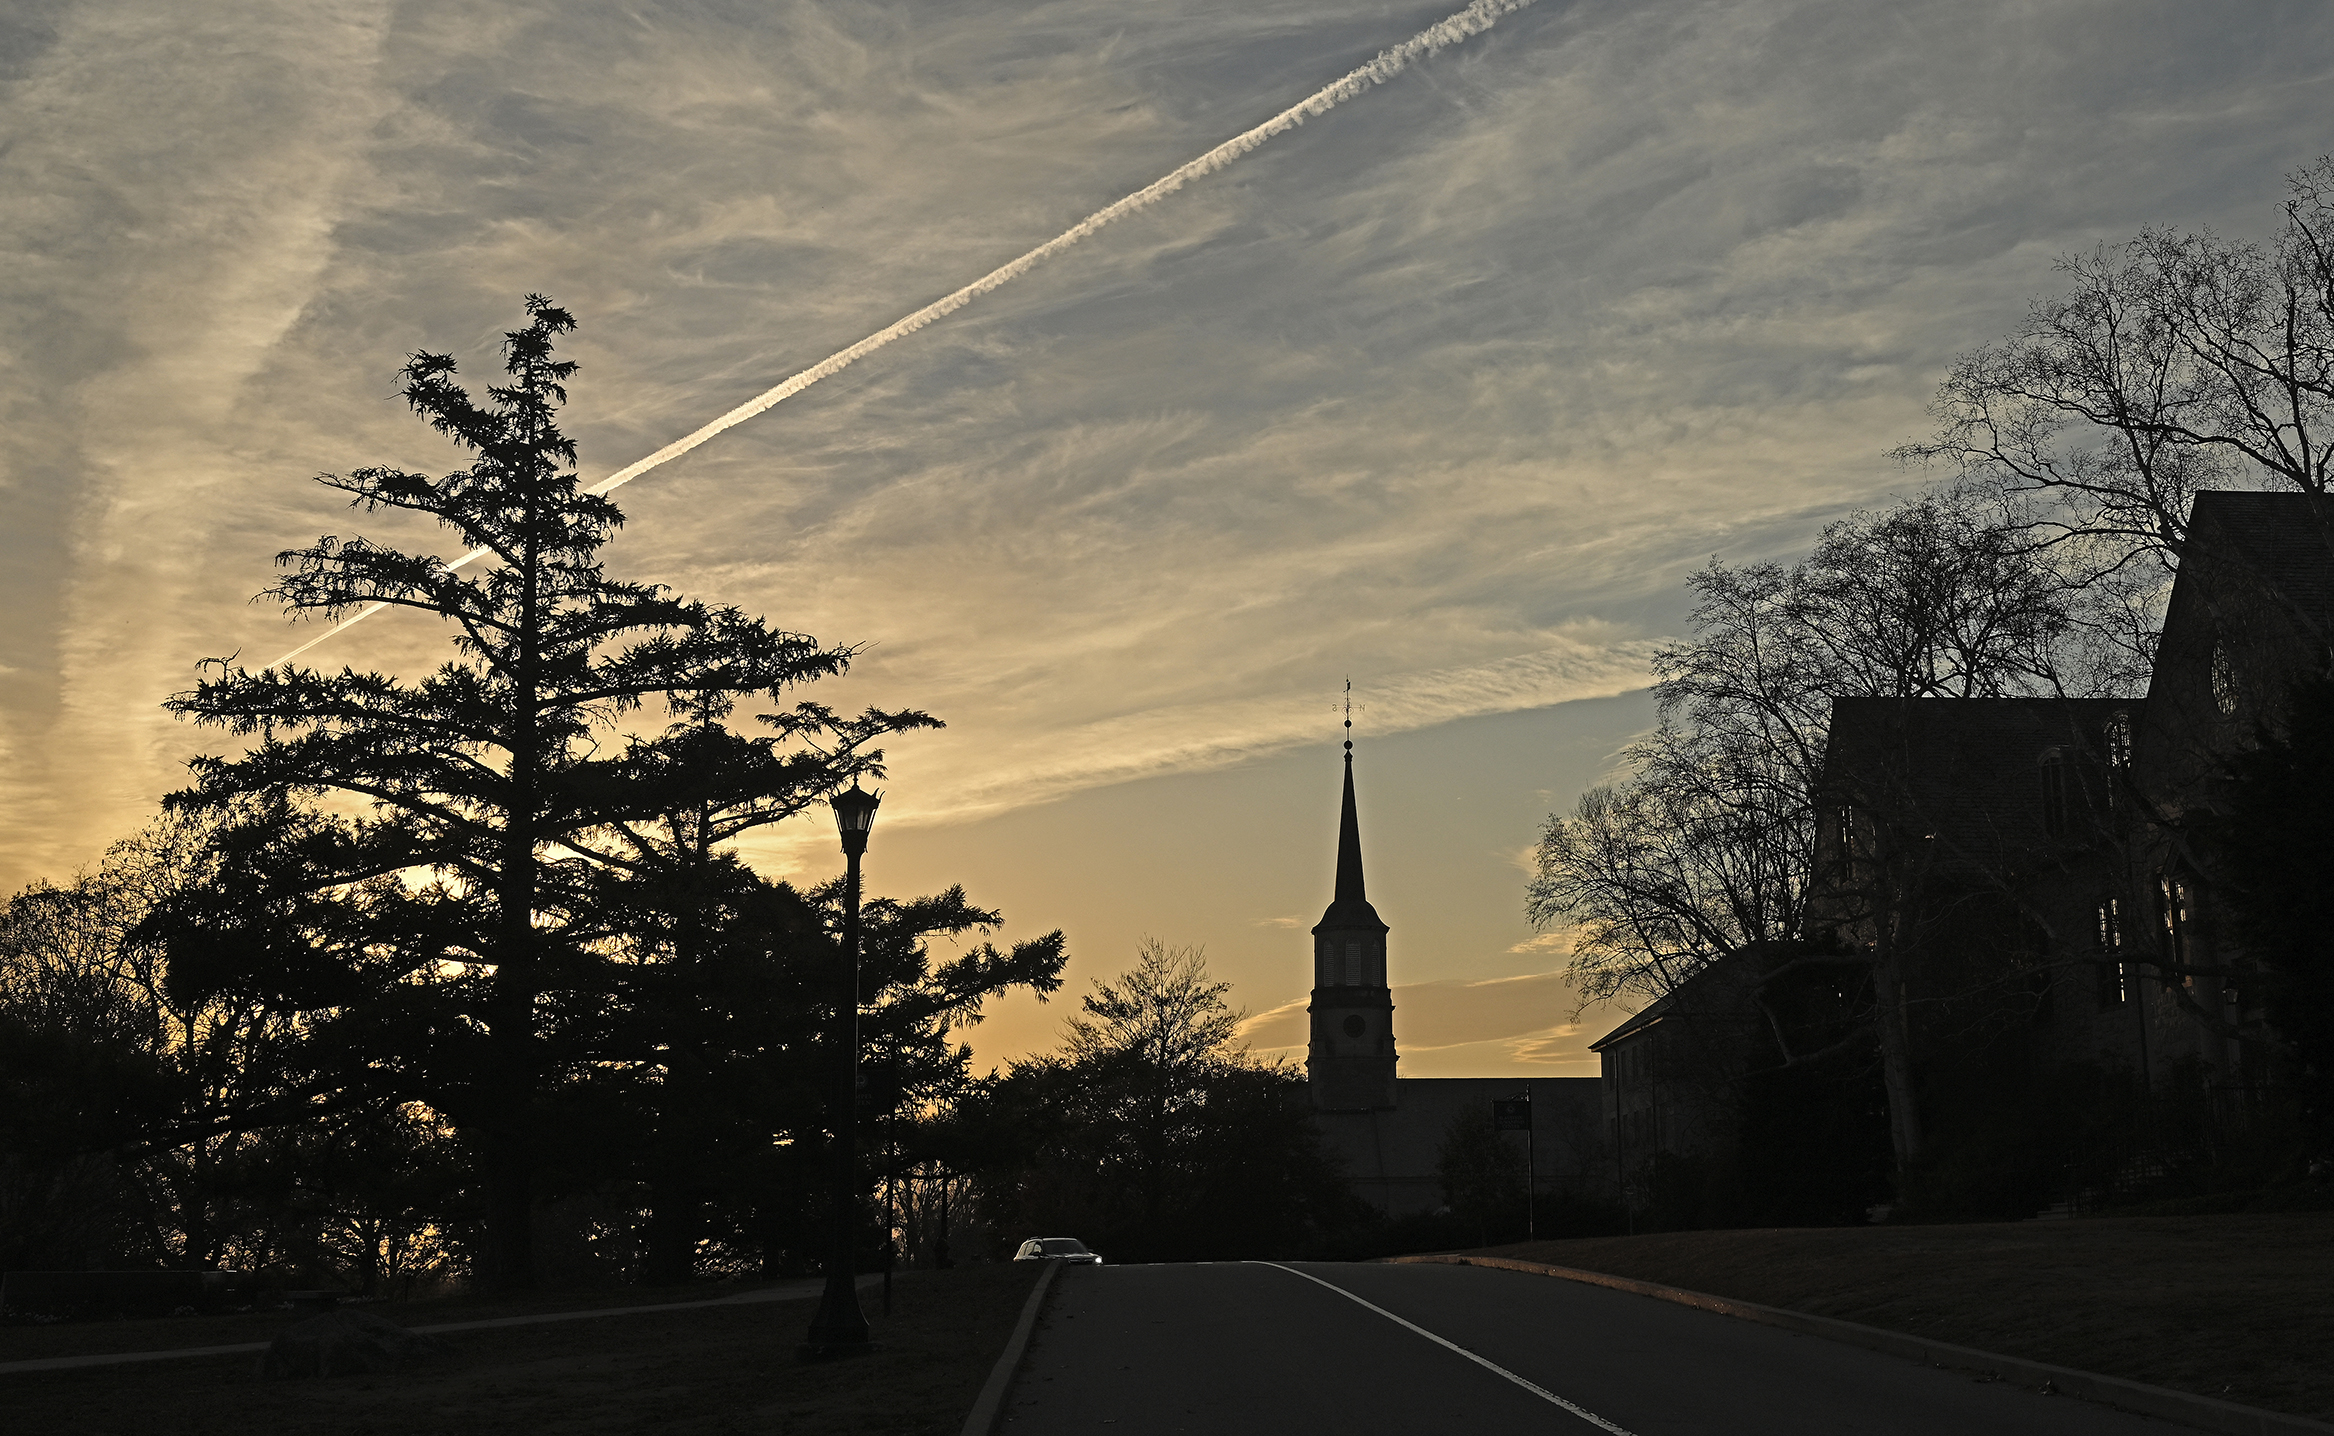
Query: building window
2114,976
2224,681
2119,739
2173,902
2054,792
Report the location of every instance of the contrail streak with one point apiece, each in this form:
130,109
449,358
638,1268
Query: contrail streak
1472,21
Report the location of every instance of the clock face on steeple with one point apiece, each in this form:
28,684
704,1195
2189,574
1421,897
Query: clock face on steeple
1356,1025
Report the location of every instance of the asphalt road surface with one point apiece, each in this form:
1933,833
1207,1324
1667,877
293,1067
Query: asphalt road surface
1242,1346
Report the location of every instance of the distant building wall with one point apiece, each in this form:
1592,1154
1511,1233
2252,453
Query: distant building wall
1394,1154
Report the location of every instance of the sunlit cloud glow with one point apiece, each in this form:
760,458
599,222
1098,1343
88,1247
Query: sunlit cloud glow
1478,17
1445,393
1528,1013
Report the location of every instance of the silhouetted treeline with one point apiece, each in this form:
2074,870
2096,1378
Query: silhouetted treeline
427,961
150,1119
1152,1134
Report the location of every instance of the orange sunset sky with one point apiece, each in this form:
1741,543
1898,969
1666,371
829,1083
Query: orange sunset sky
1444,391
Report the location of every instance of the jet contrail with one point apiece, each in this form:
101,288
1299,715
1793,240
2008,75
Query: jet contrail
1474,20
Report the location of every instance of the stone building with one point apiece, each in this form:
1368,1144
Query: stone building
2035,876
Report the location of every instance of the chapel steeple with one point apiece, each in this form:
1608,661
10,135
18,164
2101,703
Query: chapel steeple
1350,1061
1349,905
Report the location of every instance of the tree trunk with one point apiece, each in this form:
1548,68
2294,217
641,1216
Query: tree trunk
1896,1065
510,1158
510,1207
673,1220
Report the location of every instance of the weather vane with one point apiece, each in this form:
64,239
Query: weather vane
1349,715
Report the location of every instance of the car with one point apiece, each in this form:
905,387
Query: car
1064,1249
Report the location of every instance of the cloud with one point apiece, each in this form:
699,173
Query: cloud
1443,391
941,780
1552,1053
1196,737
1559,941
1530,1013
174,219
1526,860
1277,1029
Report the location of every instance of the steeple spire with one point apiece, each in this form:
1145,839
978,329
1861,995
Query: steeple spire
1349,906
1350,1060
1349,865
1349,868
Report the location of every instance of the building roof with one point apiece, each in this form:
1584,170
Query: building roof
1715,990
1648,1016
1967,771
2285,541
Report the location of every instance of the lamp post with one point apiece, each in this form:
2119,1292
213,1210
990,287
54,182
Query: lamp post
840,1328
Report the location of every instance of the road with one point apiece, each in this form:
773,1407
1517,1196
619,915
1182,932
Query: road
1237,1347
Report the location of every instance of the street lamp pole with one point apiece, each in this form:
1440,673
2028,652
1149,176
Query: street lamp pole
840,1328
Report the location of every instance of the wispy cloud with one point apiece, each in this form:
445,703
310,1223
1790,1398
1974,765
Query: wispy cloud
975,770
1558,941
1277,1029
1530,1010
1443,391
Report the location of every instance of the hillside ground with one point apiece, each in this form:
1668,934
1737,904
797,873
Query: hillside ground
2236,1306
699,1370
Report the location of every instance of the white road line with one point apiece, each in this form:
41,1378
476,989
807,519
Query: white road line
1491,1366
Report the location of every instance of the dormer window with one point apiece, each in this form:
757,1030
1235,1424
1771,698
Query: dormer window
2054,792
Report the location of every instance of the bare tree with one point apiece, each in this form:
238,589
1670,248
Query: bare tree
1702,852
2174,363
1707,849
1708,845
77,960
1163,1015
1155,1127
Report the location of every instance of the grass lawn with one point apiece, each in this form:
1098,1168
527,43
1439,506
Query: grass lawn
166,1333
708,1369
2240,1307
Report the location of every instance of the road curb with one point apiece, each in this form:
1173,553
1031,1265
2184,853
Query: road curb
989,1409
2134,1396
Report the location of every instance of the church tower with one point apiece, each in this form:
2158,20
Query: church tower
1351,1059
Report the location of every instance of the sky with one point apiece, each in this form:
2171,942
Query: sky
1443,392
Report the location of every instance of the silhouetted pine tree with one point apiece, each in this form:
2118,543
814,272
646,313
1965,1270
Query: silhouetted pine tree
486,791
